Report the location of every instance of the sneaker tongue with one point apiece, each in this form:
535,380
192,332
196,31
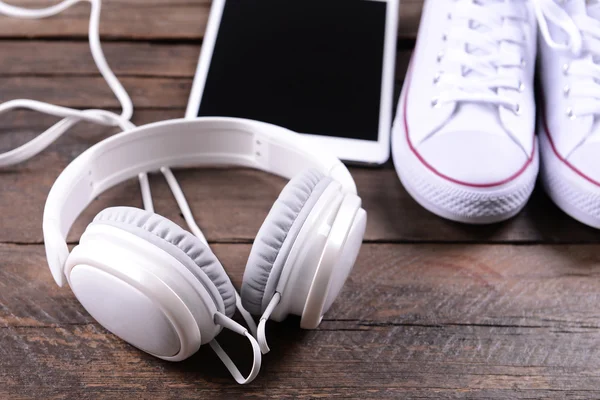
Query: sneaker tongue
483,30
593,8
589,7
575,7
488,120
478,28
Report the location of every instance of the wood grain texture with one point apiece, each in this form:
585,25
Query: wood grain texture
414,321
148,20
127,59
73,81
92,92
433,309
231,205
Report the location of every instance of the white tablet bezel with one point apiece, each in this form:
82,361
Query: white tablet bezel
354,150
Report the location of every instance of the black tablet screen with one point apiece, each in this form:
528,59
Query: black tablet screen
313,66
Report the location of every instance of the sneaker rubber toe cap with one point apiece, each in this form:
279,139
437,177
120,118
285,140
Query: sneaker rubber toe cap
473,158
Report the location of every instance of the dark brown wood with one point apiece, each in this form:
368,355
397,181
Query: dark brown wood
80,85
149,20
72,80
92,92
231,205
423,321
127,59
61,58
433,309
526,286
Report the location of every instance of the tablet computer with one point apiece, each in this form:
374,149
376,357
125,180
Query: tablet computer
323,68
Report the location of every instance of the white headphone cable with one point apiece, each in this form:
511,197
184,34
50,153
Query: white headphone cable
230,324
262,324
71,116
184,207
183,204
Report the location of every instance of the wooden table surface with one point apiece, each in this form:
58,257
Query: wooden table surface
433,309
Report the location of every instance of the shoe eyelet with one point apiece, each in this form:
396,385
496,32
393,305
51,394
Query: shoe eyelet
571,113
435,103
436,78
440,56
565,68
521,87
523,62
567,90
517,109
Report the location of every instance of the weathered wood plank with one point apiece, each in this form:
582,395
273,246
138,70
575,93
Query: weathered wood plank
430,321
551,287
156,76
92,92
84,362
148,20
393,215
72,58
137,59
415,320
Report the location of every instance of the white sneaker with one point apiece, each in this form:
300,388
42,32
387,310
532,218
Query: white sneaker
570,126
464,141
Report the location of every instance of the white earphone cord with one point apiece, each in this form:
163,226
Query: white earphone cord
71,116
261,335
230,324
184,207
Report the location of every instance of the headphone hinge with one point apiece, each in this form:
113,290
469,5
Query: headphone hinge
261,152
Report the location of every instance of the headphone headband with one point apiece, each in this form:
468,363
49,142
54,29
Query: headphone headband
178,144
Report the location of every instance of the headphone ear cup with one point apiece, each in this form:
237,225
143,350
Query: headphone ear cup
150,282
196,256
345,232
276,237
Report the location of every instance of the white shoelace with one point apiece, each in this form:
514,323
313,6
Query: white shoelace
475,44
583,33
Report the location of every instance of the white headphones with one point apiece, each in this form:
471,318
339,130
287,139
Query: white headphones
156,285
161,288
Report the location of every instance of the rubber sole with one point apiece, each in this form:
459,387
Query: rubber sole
453,201
570,191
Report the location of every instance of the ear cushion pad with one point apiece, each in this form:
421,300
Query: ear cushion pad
197,257
276,237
